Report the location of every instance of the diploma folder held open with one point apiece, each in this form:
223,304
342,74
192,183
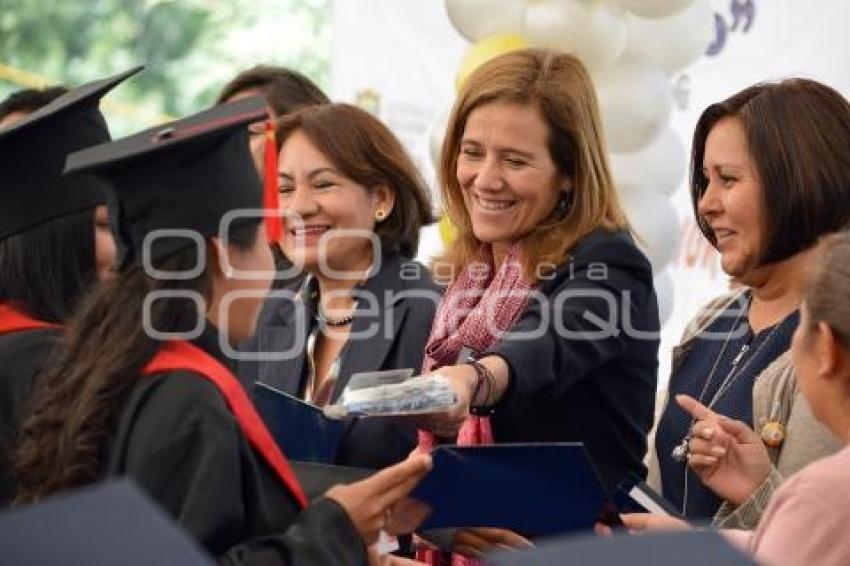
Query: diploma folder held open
311,434
302,431
533,489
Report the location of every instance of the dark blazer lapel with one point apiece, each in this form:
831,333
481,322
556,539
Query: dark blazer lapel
370,354
284,340
377,324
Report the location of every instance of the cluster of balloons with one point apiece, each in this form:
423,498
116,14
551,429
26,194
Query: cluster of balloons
631,48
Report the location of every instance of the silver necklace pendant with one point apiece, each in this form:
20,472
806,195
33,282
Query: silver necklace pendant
740,355
681,452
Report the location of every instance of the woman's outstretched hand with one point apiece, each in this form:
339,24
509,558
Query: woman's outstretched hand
447,423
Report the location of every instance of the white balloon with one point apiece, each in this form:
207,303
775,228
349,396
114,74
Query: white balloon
660,166
593,32
655,221
654,8
665,291
674,42
636,100
476,19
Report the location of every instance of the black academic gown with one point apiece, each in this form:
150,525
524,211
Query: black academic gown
177,439
22,355
394,325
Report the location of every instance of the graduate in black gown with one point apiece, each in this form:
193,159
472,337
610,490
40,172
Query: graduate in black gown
144,385
55,241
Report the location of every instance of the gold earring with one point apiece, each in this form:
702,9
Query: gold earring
380,215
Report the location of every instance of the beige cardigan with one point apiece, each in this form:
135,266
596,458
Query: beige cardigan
776,397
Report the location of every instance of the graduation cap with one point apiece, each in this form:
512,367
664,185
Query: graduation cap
111,523
184,175
32,157
694,548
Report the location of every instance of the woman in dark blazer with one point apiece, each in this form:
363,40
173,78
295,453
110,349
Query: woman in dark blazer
354,204
547,285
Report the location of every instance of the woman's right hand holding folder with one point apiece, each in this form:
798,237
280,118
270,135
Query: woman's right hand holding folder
380,502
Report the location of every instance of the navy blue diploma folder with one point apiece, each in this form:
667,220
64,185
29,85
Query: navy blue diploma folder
301,430
532,489
101,525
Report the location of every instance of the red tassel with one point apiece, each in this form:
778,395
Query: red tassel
274,225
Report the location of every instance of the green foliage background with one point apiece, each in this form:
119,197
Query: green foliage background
190,47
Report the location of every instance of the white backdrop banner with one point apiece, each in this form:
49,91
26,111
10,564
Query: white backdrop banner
398,58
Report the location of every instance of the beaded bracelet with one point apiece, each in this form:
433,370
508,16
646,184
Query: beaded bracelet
484,378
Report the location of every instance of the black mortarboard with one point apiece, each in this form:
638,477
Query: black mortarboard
104,525
185,175
694,548
32,157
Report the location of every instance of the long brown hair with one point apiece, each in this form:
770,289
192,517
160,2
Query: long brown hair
80,394
561,89
798,135
366,151
47,269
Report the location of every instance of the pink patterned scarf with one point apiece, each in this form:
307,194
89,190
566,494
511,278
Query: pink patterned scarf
477,309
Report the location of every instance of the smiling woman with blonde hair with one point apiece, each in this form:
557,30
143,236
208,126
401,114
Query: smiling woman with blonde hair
575,146
546,282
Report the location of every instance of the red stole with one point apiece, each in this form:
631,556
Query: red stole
13,320
184,356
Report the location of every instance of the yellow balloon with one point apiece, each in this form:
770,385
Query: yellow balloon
484,50
447,230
